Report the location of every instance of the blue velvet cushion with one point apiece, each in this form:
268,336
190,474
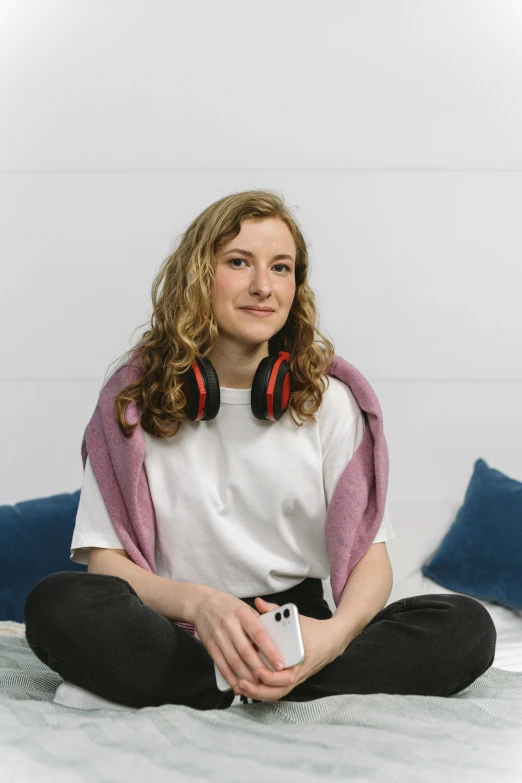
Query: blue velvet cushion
481,554
35,540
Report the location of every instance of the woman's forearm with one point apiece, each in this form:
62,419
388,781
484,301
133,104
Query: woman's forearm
366,593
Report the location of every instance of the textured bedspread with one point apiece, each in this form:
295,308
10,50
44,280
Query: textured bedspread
474,736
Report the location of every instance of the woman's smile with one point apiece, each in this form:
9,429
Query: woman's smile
258,313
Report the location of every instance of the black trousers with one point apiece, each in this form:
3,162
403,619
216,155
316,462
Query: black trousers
94,630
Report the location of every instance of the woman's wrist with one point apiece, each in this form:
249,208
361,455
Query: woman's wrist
196,594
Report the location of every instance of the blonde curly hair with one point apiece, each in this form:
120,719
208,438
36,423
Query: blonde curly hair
183,327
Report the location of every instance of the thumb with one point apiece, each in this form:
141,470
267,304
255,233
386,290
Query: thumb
265,606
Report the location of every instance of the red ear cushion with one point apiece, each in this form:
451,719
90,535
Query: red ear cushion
285,395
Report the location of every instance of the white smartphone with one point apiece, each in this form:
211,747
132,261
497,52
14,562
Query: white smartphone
283,627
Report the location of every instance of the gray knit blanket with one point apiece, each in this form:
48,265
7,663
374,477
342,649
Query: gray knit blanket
474,736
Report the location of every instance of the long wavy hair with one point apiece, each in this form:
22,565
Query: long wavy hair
183,327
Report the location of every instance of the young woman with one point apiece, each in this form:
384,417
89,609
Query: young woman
240,493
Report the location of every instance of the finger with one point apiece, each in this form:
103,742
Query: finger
244,659
222,660
264,644
255,637
239,649
233,656
276,679
261,692
223,667
248,660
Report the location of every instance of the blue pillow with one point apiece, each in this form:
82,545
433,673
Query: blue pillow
35,540
481,554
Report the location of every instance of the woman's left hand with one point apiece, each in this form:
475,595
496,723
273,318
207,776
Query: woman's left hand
319,651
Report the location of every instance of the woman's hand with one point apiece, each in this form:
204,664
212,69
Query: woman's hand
233,636
319,651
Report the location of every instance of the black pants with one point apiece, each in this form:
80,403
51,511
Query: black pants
95,631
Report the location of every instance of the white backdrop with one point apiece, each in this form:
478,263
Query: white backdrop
393,130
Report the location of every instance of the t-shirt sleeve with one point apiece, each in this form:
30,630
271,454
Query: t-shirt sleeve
93,526
335,459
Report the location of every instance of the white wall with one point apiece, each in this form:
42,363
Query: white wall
394,131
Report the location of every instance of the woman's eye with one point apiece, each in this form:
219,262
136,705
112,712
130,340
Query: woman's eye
242,259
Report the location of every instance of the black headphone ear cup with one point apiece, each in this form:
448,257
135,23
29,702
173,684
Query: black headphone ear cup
211,383
282,389
213,395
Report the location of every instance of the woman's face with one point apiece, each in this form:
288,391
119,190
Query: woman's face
255,278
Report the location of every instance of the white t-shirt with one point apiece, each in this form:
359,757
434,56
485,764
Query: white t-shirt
240,503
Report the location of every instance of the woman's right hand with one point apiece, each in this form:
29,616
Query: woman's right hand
232,634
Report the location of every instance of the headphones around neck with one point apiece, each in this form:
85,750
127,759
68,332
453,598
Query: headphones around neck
269,398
